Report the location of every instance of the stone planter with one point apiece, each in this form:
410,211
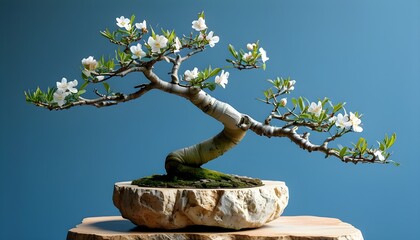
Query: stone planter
175,208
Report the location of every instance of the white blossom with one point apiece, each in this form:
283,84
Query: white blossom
379,156
247,56
355,122
178,45
200,37
137,51
315,108
343,121
264,57
70,86
60,97
283,102
291,85
157,43
191,75
212,39
123,22
332,119
222,80
142,26
250,46
100,78
199,24
89,63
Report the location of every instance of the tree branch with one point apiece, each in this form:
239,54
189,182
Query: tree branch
103,100
303,141
174,73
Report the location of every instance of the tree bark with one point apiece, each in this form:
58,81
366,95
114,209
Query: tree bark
201,153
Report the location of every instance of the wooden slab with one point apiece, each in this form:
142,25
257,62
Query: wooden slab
285,227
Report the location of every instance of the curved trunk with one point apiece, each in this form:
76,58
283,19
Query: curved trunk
190,158
201,153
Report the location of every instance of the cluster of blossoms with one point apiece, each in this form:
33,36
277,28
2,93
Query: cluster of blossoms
124,22
64,88
249,56
222,79
200,25
345,121
158,42
341,121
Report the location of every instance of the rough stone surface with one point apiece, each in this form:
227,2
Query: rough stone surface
175,208
284,228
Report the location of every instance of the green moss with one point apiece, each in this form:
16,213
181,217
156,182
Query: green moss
191,177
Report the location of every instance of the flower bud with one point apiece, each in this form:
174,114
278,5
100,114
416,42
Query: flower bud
283,102
291,84
250,46
100,78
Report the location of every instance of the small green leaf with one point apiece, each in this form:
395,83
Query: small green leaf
153,33
301,104
133,17
343,151
210,85
214,72
107,87
338,107
84,85
233,51
295,102
80,92
306,115
391,140
171,36
395,163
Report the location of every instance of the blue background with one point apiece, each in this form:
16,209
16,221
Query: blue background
57,168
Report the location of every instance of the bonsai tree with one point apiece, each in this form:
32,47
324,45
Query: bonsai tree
139,48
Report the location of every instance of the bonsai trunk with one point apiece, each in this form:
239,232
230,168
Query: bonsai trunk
186,162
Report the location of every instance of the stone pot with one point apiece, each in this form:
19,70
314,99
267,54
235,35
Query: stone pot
175,208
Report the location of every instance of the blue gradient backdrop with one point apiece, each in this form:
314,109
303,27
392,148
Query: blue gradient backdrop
57,168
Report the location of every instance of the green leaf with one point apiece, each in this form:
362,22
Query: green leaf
295,102
214,72
233,51
343,151
306,115
395,163
153,33
268,94
361,145
133,17
201,15
80,92
338,107
391,141
301,104
27,96
210,85
171,36
107,87
84,85
110,64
